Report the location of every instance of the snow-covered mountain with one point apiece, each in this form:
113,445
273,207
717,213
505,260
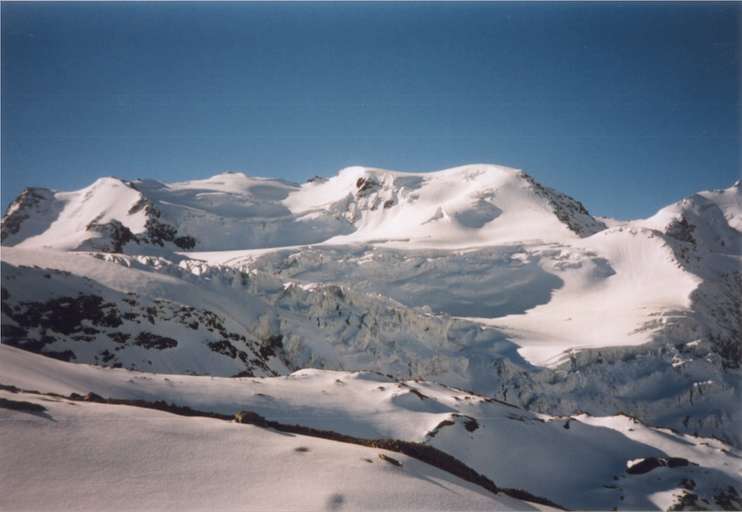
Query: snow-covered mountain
475,204
476,277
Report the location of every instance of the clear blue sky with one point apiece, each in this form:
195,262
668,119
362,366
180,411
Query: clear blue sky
625,106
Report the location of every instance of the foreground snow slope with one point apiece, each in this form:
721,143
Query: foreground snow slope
579,462
82,456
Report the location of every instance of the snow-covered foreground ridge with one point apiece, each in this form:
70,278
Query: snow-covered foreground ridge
476,277
63,453
580,462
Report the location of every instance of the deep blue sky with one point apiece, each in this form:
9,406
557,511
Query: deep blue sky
625,106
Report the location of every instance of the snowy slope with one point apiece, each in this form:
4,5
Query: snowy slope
81,456
579,462
632,280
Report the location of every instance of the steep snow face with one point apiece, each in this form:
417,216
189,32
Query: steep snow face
470,205
581,462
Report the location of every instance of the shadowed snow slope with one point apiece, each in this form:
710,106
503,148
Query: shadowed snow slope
82,456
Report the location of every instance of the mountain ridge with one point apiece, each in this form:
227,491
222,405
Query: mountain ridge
359,203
